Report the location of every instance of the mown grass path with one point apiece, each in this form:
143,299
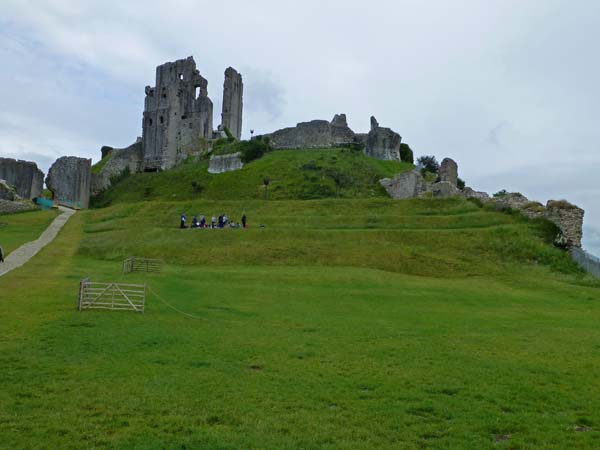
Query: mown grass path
28,250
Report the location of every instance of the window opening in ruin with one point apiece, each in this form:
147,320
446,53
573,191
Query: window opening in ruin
162,120
197,93
164,92
181,76
149,122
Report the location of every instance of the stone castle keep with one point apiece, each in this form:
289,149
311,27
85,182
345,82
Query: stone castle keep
178,113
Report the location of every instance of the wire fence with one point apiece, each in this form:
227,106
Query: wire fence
588,262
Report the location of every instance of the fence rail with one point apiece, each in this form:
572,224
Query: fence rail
113,296
588,262
135,264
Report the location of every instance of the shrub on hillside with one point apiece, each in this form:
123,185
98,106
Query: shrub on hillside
252,150
460,183
429,164
406,153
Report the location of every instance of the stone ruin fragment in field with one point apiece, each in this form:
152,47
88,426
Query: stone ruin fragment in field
69,179
24,176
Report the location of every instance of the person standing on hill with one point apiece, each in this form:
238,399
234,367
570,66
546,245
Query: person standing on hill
202,221
1,255
213,221
244,221
183,219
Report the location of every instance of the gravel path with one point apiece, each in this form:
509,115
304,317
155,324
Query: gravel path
26,251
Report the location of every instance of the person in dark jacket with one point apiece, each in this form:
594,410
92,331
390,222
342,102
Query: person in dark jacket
244,221
182,223
1,255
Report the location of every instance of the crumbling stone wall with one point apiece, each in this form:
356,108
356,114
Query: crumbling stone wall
512,200
69,179
225,163
448,171
314,134
444,189
233,92
120,159
409,184
569,218
177,114
24,176
383,143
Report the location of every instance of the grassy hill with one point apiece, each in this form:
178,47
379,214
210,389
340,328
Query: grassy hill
341,324
293,174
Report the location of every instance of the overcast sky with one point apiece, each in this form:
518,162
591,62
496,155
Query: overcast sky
509,89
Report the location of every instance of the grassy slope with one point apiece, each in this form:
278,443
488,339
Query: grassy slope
294,174
297,357
446,238
16,229
346,324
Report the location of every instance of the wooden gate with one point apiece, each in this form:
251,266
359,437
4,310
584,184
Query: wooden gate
114,296
135,264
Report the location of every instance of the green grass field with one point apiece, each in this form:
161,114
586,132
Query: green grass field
16,229
317,331
348,322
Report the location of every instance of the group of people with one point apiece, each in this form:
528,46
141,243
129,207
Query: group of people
221,222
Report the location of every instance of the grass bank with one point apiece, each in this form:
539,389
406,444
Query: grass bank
292,174
17,229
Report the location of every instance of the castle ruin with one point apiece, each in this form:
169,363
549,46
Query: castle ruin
178,114
177,111
233,91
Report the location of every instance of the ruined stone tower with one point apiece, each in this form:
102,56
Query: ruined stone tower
233,91
177,114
